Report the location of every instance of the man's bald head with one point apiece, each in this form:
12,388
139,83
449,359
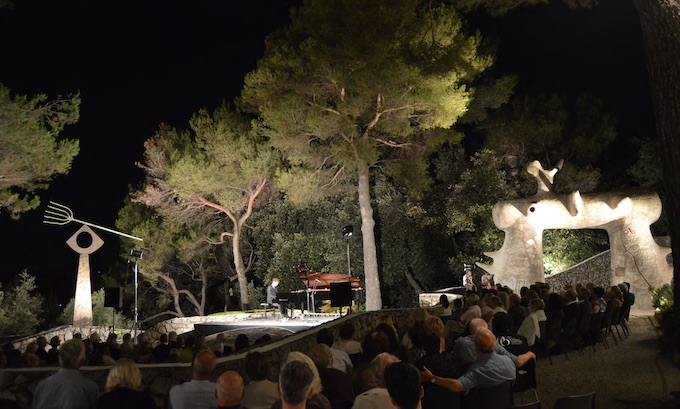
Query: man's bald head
485,341
229,389
203,365
476,324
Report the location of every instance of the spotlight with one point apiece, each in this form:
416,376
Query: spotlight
136,253
347,231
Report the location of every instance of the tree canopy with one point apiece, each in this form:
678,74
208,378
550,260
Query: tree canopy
358,86
31,153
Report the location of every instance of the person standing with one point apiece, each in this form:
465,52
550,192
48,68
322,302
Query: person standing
468,282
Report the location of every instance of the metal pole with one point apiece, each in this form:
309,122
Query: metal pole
349,268
135,326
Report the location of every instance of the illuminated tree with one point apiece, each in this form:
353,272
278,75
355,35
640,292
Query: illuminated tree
354,87
31,155
214,174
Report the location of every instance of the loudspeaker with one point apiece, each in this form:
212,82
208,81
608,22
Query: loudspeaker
341,294
113,297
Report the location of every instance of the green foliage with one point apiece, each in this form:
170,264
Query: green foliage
551,128
646,171
101,316
356,83
20,307
30,153
565,248
662,298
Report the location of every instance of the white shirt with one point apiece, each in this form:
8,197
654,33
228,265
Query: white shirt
376,398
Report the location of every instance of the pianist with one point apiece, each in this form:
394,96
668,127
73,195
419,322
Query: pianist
272,297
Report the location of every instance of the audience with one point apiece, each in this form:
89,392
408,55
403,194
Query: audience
199,392
260,392
377,397
337,385
403,385
341,360
530,328
295,382
347,342
229,391
123,388
68,388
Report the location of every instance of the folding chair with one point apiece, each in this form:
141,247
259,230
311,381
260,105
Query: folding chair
499,396
437,397
583,329
526,379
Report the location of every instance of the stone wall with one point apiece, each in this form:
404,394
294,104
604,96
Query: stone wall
596,270
19,384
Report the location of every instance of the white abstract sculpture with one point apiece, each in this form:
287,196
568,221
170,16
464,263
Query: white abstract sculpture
625,215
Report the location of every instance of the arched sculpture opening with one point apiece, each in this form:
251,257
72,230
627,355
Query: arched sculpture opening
625,215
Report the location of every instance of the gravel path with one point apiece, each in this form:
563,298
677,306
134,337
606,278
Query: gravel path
632,374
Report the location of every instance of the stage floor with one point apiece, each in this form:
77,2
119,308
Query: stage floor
257,326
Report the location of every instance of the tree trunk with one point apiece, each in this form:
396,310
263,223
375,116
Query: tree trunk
371,278
240,267
661,32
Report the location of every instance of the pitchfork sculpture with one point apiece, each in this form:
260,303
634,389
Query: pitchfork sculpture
60,215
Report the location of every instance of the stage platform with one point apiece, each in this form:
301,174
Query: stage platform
258,326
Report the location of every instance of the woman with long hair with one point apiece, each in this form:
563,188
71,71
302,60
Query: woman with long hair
124,388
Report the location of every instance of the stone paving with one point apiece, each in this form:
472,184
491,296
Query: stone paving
632,374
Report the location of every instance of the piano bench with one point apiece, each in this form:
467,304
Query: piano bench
266,306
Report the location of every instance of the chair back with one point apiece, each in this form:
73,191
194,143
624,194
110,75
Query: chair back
586,401
553,329
583,325
437,397
526,377
499,396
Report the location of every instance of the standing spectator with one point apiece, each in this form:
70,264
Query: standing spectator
229,391
123,388
68,388
403,384
260,393
199,392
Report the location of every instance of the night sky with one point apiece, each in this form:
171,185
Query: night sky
151,62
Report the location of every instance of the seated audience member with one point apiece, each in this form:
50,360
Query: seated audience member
102,356
490,370
506,337
143,353
260,392
615,301
570,306
316,399
173,342
599,305
241,342
127,348
436,358
446,307
114,348
229,391
530,328
471,309
295,385
377,397
347,342
418,316
341,361
68,388
199,392
337,385
30,359
186,353
403,385
53,353
374,343
162,351
517,311
123,388
457,309
505,298
465,352
42,351
217,344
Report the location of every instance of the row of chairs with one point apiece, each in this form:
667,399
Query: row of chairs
587,328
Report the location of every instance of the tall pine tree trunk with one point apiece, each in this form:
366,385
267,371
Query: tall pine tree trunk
371,278
239,265
661,31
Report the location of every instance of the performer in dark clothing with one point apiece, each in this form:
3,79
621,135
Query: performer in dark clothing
272,294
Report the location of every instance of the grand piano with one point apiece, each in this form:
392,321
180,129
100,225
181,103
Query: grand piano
339,288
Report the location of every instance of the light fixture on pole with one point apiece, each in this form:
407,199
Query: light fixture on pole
347,232
137,254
